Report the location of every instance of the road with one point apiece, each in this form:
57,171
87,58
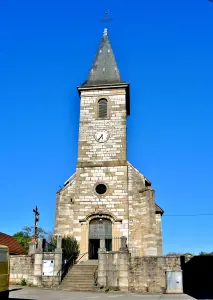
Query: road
23,293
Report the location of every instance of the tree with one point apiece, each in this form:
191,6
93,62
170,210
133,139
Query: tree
70,245
70,248
26,234
178,254
206,253
173,254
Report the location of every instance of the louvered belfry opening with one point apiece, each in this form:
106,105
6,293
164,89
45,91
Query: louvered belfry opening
102,108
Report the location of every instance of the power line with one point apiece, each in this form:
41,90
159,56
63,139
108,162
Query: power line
189,215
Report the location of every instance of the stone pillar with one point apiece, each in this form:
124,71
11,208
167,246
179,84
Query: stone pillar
58,266
38,264
123,244
84,241
150,237
158,218
32,248
59,242
102,267
123,270
102,245
58,257
40,245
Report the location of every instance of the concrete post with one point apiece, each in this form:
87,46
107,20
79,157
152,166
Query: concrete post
59,242
102,267
32,248
38,264
58,261
102,245
40,245
58,266
123,270
123,244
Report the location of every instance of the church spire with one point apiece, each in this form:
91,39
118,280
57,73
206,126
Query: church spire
104,69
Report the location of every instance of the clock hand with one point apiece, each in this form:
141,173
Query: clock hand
100,137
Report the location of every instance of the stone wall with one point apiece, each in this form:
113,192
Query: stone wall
148,274
65,199
89,150
30,267
77,203
142,219
118,270
21,267
159,239
129,203
113,270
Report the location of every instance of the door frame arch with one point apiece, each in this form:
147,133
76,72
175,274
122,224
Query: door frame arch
99,229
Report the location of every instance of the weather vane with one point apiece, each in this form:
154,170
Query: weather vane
106,18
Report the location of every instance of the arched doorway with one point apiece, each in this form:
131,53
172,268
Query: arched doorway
99,229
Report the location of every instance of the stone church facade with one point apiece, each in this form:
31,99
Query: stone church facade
107,197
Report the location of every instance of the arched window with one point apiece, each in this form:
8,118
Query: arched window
102,108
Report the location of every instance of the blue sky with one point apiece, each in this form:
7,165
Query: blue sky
164,49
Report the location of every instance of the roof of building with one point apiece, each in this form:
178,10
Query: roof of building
158,210
104,72
11,243
104,69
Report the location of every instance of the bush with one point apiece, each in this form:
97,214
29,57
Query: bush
206,253
23,282
70,248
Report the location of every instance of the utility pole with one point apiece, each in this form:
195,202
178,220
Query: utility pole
36,219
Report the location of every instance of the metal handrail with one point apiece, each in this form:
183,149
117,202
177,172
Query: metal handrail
82,255
63,266
95,277
67,263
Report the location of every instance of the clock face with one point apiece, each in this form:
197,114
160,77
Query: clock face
101,136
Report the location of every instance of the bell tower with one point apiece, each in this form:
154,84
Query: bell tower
103,111
107,197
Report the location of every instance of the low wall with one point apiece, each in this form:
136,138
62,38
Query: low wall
148,274
30,268
113,270
21,267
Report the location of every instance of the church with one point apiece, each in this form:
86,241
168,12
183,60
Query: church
107,197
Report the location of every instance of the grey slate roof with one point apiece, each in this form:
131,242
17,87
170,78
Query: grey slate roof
104,69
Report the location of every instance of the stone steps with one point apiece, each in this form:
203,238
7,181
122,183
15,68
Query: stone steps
78,284
90,262
77,289
80,277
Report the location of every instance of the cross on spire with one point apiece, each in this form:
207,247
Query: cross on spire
106,18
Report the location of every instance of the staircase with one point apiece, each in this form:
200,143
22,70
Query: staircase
80,277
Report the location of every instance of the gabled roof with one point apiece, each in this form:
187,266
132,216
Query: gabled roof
104,69
158,209
104,73
11,243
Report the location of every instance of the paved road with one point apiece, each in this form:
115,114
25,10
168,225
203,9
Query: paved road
20,293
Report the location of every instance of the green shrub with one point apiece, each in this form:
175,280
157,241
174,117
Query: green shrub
70,248
23,282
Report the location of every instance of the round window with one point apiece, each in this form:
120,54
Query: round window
101,189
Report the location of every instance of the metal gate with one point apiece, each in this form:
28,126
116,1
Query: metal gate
174,282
